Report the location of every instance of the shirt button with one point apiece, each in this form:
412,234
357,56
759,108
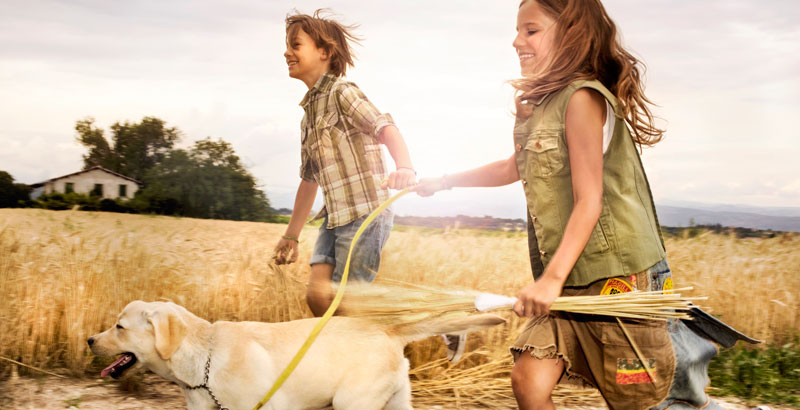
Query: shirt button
518,147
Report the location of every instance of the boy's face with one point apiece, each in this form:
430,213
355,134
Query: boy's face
306,61
534,40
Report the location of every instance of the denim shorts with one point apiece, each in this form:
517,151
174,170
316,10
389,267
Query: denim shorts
333,246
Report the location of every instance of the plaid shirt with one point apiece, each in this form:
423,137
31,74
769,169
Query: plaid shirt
340,150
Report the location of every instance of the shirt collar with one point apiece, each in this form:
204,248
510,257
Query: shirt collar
323,85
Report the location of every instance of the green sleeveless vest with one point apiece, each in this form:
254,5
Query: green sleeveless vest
627,238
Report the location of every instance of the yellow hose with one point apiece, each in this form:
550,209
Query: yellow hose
335,304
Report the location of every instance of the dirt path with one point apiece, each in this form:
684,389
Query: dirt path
150,393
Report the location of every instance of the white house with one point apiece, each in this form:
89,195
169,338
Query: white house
93,181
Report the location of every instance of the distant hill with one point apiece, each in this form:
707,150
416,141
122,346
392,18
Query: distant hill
669,216
683,217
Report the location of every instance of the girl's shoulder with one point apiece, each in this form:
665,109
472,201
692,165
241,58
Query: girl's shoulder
568,91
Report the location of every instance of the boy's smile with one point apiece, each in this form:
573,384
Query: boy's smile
305,60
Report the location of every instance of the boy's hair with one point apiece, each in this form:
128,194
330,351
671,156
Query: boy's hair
328,34
586,46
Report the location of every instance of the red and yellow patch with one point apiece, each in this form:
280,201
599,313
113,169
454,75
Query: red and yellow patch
631,371
616,285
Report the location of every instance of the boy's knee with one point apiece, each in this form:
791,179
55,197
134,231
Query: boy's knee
318,299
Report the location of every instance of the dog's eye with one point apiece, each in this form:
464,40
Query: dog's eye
119,326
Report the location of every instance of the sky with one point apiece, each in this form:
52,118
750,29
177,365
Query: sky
725,75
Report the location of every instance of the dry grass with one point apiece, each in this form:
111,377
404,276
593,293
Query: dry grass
65,275
405,303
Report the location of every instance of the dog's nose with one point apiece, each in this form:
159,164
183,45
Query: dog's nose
90,341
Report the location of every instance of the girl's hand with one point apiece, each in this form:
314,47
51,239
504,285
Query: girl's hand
286,251
428,186
402,178
536,298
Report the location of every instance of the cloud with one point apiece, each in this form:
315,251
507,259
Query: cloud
725,74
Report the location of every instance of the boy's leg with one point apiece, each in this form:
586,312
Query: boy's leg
692,355
366,257
318,293
533,381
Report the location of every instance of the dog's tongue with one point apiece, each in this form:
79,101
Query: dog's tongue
113,366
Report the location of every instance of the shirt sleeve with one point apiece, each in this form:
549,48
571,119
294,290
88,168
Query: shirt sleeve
306,173
360,112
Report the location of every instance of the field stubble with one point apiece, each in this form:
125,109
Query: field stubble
65,275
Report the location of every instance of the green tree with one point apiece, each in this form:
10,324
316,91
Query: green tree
134,148
12,193
206,181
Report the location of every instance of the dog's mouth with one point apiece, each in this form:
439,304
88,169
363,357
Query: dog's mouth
115,370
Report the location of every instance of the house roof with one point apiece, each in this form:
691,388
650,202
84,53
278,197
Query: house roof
96,167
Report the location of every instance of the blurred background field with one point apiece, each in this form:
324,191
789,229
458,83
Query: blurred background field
65,275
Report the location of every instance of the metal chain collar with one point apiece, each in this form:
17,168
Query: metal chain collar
205,378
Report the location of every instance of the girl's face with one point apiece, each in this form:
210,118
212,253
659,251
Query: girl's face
535,32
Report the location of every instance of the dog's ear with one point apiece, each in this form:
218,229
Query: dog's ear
169,331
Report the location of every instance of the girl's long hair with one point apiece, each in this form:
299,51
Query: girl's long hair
586,46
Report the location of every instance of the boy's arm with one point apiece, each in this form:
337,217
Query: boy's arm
286,251
359,111
404,175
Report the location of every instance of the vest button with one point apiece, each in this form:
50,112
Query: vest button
518,147
538,144
543,253
534,219
524,182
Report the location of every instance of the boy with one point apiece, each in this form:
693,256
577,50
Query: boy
341,136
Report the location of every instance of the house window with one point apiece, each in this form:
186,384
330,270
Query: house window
123,191
97,191
69,188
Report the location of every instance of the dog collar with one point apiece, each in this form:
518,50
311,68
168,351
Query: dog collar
205,385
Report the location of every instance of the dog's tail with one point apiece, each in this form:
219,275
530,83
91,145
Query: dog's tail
452,326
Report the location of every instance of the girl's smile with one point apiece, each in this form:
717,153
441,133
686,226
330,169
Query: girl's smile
534,37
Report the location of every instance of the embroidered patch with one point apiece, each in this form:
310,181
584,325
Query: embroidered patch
668,285
631,371
614,286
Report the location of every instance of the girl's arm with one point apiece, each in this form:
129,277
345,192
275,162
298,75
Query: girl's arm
404,175
286,251
584,127
497,173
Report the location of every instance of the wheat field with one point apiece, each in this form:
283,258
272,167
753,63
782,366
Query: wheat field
64,276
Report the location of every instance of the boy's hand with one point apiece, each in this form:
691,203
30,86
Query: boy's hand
428,186
400,179
286,251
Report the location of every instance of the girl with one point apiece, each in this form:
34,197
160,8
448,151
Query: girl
581,117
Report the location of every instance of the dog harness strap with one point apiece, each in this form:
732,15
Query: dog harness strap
205,379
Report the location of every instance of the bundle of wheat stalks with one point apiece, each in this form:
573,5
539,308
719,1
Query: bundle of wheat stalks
400,302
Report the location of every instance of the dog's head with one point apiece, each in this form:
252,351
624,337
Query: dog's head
146,334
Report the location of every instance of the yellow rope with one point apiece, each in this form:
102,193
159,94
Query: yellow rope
335,304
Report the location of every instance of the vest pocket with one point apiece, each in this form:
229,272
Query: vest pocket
598,242
543,153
